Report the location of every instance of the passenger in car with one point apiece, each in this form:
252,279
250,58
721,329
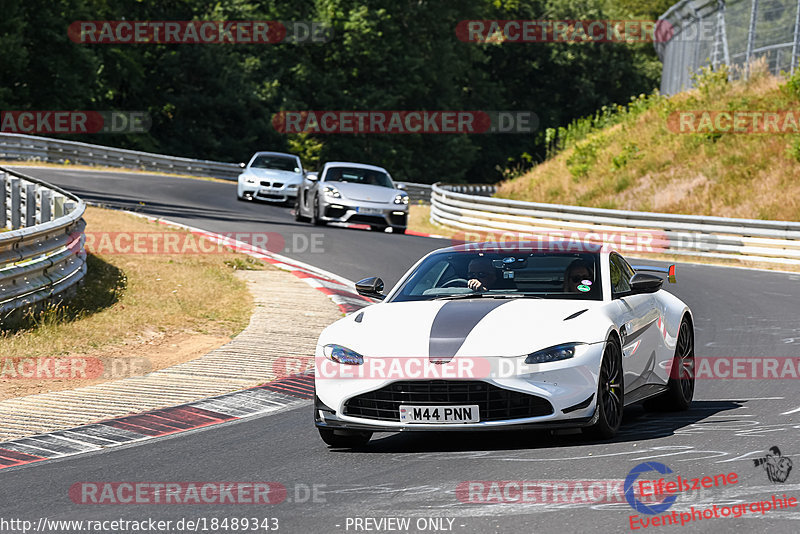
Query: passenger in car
578,271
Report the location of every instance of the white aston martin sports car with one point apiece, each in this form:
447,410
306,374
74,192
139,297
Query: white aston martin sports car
270,176
505,336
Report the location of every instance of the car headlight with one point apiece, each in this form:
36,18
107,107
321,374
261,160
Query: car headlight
339,354
250,179
401,199
292,186
332,192
553,354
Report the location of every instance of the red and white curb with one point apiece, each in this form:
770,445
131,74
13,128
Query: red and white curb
276,396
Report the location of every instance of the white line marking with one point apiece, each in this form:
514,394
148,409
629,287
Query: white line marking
791,411
743,399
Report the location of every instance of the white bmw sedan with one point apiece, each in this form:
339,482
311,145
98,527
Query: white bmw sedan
270,176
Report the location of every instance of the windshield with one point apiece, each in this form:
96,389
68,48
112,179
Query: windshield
358,176
281,163
518,274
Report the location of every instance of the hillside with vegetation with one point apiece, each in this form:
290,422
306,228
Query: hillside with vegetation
629,157
217,101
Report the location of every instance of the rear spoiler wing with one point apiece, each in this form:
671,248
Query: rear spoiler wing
669,271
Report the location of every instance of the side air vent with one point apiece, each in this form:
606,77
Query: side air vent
575,314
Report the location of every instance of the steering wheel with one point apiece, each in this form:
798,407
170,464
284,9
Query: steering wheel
456,282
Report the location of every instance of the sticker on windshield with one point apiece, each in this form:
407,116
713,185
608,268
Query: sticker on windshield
584,288
586,282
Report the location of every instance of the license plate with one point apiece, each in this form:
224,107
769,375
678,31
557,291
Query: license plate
440,414
369,211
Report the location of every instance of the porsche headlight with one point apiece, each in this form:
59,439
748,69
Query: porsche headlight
401,198
339,354
553,354
331,192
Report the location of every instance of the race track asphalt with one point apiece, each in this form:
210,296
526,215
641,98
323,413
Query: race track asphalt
742,313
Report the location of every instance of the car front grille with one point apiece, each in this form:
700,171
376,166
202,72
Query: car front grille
367,219
335,213
494,403
397,220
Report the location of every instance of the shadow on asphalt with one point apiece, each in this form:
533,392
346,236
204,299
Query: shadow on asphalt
638,425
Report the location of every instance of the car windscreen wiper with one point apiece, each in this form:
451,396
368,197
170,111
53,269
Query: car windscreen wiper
479,295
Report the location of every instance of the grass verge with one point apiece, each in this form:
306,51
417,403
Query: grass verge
165,308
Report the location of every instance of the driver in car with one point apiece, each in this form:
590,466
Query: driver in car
577,272
481,274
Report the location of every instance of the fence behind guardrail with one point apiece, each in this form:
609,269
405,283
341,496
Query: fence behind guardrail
732,32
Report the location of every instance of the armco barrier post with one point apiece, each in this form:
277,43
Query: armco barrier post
58,206
15,204
30,205
45,210
4,203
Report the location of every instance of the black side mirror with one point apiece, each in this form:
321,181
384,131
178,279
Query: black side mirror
645,283
371,287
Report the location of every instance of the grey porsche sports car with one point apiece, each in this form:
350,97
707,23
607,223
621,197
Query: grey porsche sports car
353,193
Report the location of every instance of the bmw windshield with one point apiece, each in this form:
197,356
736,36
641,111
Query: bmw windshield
280,163
518,274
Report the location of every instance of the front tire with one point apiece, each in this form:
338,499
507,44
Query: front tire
297,213
680,386
344,439
610,394
315,217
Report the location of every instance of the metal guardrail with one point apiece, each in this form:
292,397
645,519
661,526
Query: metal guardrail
715,237
31,147
20,146
41,253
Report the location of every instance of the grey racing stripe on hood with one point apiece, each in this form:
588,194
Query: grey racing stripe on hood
454,322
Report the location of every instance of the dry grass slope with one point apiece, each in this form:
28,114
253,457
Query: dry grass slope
639,164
